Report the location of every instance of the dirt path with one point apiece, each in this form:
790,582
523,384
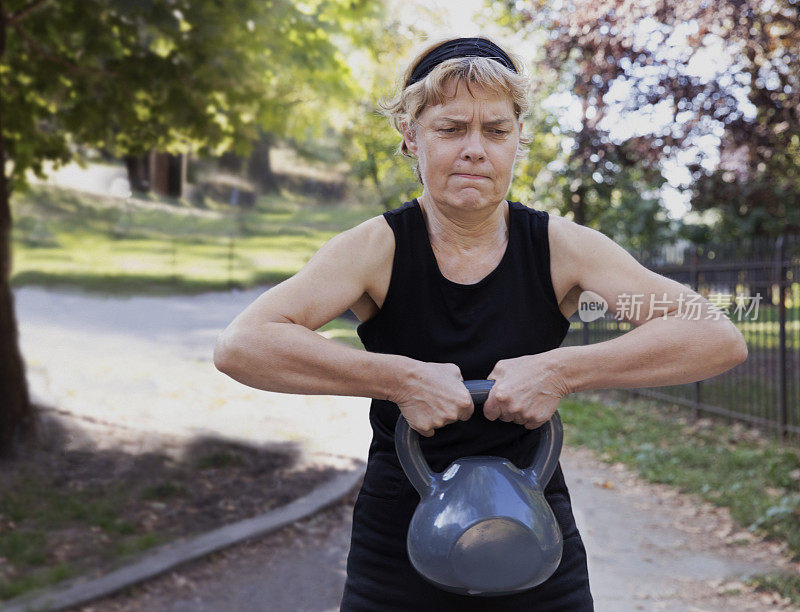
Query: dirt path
144,363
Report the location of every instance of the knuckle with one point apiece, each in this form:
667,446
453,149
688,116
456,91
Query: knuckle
501,396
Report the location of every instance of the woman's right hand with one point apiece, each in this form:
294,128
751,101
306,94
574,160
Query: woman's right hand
432,396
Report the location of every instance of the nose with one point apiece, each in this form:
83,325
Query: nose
473,147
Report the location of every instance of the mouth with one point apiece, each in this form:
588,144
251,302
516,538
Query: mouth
470,176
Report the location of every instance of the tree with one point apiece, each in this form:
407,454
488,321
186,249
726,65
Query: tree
755,189
369,141
575,164
128,76
751,102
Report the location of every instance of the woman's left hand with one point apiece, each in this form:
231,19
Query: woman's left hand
526,390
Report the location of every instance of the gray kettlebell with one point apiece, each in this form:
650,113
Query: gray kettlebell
483,526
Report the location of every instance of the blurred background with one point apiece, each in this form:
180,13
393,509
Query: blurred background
165,161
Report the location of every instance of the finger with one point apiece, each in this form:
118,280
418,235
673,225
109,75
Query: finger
445,416
490,411
456,371
495,371
425,432
466,409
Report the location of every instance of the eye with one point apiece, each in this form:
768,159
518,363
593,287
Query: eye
498,132
450,131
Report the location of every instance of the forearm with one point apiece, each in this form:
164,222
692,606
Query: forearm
289,358
663,351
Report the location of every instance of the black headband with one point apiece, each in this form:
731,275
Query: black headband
460,47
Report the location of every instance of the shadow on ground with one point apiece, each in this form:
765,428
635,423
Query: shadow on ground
90,495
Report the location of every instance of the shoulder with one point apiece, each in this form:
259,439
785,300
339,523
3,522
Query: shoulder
365,251
376,232
582,253
562,233
376,235
574,240
569,245
369,240
581,243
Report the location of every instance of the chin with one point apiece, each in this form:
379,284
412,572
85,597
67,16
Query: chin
471,199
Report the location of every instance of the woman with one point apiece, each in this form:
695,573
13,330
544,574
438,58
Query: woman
461,284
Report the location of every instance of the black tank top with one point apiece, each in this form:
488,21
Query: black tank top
509,313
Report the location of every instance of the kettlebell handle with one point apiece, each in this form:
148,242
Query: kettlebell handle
416,467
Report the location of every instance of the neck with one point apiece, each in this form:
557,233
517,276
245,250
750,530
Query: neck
464,230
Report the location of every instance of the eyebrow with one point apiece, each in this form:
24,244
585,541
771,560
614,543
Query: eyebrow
459,121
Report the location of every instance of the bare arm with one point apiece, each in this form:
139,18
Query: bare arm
659,351
669,345
272,344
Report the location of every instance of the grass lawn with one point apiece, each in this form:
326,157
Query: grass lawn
62,237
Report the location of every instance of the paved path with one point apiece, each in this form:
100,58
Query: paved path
649,549
145,363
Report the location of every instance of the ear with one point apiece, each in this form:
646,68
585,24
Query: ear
410,138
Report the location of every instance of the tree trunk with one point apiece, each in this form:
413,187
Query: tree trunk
165,174
16,412
579,206
386,203
259,167
138,172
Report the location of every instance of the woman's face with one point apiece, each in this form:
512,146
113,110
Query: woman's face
466,147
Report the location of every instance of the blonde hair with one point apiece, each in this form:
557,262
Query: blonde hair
410,101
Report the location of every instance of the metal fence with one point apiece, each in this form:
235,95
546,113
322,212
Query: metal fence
757,284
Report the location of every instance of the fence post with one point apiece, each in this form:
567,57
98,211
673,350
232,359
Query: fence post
693,282
236,230
783,282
